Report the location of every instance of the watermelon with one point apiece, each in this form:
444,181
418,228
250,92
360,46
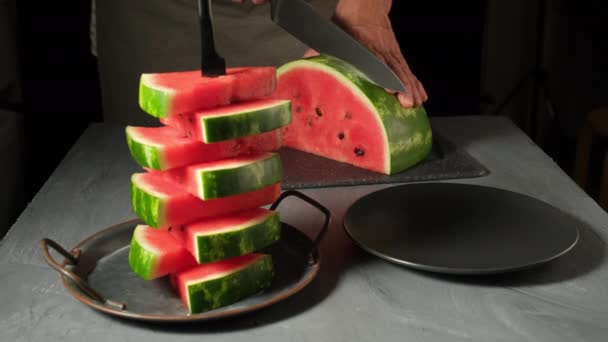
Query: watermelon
220,283
233,121
338,113
165,94
229,177
162,203
231,235
163,148
155,253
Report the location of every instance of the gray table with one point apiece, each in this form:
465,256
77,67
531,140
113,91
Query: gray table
355,297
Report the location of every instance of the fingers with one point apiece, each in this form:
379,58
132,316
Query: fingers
310,53
411,96
406,99
422,91
415,93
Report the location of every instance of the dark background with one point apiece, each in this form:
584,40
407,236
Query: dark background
468,54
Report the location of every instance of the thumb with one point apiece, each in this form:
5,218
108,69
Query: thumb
310,53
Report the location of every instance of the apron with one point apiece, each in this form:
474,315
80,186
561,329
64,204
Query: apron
150,36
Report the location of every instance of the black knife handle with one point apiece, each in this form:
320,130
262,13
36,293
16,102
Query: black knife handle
212,64
274,7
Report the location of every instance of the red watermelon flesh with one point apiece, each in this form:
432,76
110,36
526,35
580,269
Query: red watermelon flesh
165,94
323,125
163,148
155,253
339,114
162,203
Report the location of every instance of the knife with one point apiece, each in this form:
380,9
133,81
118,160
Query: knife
300,20
212,64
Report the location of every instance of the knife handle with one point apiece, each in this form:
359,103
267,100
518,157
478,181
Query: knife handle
212,64
274,7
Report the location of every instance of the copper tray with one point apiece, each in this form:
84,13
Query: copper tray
97,273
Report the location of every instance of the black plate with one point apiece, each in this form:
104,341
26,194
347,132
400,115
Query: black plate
97,273
460,228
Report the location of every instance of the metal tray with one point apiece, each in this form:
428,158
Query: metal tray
97,273
460,228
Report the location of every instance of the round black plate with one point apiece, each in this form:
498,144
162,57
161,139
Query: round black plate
460,228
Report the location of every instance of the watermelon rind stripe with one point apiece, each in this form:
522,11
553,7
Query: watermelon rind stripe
243,239
222,182
407,131
144,154
154,100
141,260
213,293
146,205
237,125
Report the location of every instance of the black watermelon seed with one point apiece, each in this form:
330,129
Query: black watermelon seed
318,111
340,135
359,151
348,115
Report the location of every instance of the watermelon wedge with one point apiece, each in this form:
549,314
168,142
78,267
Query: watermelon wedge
162,203
163,148
166,94
154,253
234,121
229,177
231,235
339,114
220,283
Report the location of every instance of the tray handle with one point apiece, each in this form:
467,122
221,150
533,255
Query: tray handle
314,203
72,259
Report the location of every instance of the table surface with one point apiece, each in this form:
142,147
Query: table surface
355,297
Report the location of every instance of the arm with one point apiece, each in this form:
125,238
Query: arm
368,21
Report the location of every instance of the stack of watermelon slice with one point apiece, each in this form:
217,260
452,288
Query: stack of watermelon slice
208,172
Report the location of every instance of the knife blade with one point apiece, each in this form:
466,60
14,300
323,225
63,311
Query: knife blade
300,20
212,64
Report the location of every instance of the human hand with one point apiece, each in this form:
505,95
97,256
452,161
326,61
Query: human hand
369,23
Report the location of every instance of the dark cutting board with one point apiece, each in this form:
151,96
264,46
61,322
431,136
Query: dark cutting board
446,161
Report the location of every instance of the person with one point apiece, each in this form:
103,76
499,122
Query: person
147,36
368,22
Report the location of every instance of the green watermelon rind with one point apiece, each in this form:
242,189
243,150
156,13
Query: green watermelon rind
247,238
154,100
223,182
407,131
146,205
217,128
222,291
144,154
141,260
